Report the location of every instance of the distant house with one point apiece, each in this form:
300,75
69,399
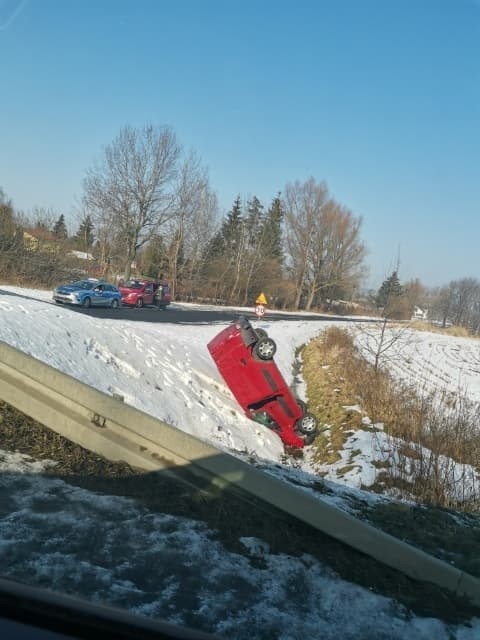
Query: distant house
419,313
85,262
39,240
81,255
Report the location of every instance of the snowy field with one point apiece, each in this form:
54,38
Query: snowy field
165,370
429,361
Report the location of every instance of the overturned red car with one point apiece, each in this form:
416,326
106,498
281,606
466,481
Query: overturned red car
244,357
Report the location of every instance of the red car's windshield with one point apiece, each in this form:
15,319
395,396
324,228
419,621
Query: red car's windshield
134,284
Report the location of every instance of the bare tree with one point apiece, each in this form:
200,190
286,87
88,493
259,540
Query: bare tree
442,304
336,265
130,191
203,228
303,204
11,237
190,228
458,303
323,242
381,341
414,294
466,293
41,218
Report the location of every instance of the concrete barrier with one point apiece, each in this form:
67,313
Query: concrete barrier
119,432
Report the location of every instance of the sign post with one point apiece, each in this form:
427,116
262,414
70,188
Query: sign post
260,304
259,310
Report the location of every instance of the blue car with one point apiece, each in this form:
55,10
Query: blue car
88,293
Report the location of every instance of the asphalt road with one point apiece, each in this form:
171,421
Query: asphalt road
181,315
184,315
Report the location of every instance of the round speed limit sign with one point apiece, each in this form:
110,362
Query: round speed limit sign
259,310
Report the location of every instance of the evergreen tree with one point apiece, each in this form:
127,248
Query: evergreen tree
215,248
232,227
273,229
254,221
227,240
154,258
60,228
389,292
84,237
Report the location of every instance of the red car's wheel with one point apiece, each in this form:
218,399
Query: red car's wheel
139,303
307,424
265,349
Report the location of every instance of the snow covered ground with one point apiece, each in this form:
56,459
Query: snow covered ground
165,369
427,360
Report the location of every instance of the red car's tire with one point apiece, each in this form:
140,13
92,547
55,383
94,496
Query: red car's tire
265,349
307,424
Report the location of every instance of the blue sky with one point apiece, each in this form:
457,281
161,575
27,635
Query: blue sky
379,98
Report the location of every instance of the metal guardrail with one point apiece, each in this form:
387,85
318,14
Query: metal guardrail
119,432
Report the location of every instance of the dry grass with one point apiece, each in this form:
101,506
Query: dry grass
428,433
329,392
455,331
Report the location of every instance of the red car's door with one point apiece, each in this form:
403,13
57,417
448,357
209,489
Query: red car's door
148,293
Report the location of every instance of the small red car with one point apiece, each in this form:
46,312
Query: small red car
244,357
137,293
